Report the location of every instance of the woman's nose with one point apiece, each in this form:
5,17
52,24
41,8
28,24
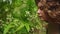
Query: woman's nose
39,12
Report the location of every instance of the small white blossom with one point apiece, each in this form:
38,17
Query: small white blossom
6,9
4,0
27,12
10,1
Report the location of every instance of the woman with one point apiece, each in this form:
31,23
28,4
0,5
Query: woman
49,11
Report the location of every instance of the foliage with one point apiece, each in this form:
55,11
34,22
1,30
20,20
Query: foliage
18,17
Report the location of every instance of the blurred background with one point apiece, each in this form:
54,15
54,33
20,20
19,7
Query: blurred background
20,17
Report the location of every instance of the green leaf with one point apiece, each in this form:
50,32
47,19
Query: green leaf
20,27
7,27
27,26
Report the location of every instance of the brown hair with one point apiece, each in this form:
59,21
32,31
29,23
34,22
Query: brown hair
50,7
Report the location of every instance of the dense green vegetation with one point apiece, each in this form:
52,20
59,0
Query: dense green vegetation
19,17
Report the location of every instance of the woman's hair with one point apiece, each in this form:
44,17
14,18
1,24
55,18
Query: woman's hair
50,5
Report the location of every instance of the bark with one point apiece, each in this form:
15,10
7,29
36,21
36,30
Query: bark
53,28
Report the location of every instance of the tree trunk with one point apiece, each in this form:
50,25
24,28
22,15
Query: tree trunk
53,28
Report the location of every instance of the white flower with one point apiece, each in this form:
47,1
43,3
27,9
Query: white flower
4,0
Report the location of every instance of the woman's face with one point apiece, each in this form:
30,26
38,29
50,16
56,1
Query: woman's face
51,12
42,15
